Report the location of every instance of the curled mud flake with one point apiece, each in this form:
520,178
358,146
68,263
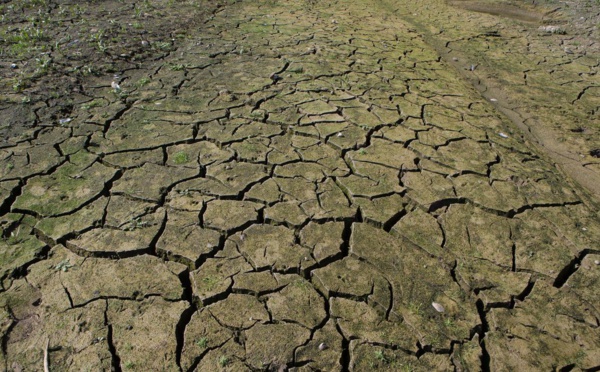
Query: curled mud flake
438,307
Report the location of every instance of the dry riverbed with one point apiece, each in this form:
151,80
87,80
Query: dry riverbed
299,185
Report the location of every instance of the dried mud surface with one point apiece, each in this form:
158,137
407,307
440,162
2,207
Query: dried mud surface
297,185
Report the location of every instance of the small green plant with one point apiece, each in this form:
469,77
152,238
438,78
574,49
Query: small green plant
101,46
210,282
165,45
120,93
380,356
578,358
223,361
415,308
301,283
257,114
19,84
128,365
92,104
85,70
177,67
97,39
143,81
362,152
449,323
43,65
181,158
63,266
136,223
202,343
407,368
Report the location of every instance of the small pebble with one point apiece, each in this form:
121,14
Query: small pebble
503,135
438,307
340,134
493,100
597,262
115,86
145,43
64,121
322,346
13,65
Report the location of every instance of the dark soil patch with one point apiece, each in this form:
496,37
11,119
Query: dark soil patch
49,48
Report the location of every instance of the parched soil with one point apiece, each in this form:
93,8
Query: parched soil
299,185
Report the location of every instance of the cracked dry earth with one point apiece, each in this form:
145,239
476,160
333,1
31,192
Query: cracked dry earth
310,188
